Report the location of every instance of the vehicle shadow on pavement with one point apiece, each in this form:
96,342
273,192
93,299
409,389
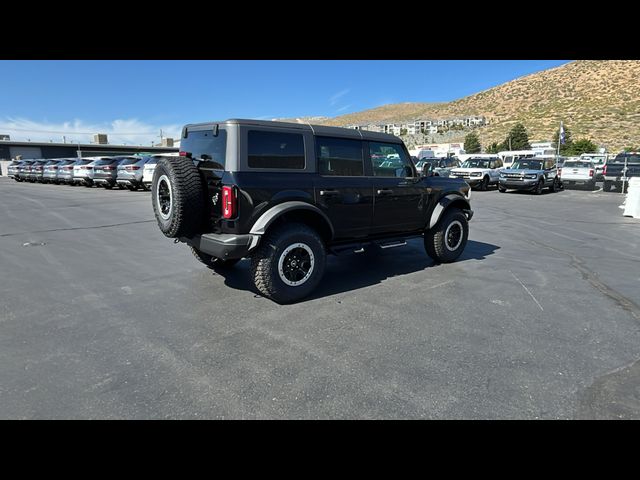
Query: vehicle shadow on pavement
352,272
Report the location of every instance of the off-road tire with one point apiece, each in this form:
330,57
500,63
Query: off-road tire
212,262
539,187
186,199
264,262
434,239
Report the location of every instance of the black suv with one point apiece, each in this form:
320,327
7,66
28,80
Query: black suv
288,194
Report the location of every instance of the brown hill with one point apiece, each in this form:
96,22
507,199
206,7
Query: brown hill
596,99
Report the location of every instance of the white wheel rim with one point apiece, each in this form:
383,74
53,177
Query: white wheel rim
297,258
460,233
164,200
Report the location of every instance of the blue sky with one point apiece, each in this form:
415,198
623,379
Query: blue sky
132,100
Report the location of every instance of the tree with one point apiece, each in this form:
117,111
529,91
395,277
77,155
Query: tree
493,148
472,143
518,138
584,145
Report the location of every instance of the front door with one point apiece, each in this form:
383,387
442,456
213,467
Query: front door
400,202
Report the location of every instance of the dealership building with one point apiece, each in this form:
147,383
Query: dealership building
11,150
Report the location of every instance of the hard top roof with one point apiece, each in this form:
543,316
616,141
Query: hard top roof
303,127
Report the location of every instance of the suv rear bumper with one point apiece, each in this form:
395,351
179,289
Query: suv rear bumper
222,245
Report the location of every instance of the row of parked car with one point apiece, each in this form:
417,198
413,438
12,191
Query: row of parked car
133,172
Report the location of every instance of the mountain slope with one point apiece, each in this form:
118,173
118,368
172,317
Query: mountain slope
598,99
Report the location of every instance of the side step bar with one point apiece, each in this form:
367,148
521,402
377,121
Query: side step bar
350,248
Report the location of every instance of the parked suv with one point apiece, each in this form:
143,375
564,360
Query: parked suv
150,168
105,171
129,172
65,171
530,174
37,170
50,172
439,166
288,194
479,172
12,169
620,169
22,169
83,172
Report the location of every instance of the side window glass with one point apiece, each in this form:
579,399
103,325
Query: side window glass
269,149
339,156
389,160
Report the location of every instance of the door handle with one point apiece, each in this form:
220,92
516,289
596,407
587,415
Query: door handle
384,191
328,193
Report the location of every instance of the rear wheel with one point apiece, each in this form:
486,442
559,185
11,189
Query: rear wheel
289,263
446,241
555,186
606,186
501,189
484,185
212,262
108,186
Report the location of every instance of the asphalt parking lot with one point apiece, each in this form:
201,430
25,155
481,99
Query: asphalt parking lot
101,316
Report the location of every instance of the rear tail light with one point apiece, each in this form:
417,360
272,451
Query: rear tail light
132,167
54,168
229,202
604,170
108,168
185,154
591,173
559,170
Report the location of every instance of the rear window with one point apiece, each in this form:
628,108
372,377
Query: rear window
339,156
106,161
129,161
630,158
152,161
83,162
205,146
275,150
578,164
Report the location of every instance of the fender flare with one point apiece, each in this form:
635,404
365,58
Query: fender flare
442,205
267,218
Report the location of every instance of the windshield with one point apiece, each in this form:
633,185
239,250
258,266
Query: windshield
527,165
475,163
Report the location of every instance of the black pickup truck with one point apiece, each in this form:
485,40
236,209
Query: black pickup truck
288,194
620,169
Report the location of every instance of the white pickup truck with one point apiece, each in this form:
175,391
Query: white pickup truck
578,172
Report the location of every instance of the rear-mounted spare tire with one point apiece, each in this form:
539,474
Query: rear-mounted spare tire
177,197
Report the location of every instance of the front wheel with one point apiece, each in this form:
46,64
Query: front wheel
539,187
445,242
289,263
501,189
555,186
484,185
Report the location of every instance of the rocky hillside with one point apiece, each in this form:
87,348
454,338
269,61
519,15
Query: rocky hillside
598,99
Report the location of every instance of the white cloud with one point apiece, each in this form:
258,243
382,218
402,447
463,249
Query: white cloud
334,98
127,131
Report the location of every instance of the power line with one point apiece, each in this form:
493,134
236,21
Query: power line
68,132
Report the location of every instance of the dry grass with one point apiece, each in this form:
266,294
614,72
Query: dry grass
598,99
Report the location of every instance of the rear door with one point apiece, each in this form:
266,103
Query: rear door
341,188
399,201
